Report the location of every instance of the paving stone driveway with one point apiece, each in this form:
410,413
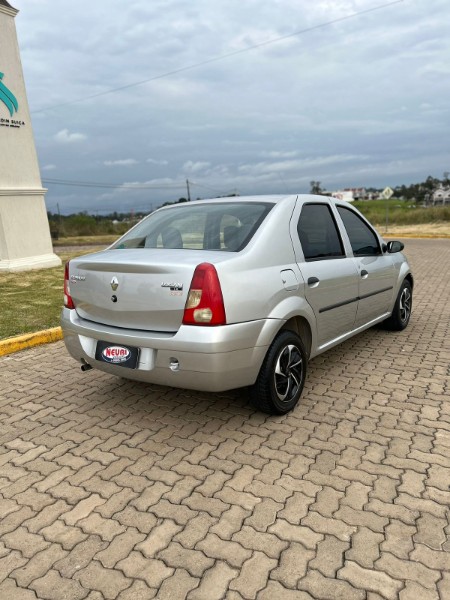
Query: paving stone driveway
113,489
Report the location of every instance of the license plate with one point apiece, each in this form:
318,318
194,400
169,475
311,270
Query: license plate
117,354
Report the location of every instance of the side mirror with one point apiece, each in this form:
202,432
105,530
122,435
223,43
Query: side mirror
393,247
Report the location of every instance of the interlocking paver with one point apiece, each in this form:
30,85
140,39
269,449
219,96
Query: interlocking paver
158,539
109,582
275,589
54,587
152,571
329,557
368,579
319,586
232,552
292,565
38,565
139,590
27,543
10,590
177,586
195,530
408,570
214,583
80,556
195,561
117,489
9,562
253,576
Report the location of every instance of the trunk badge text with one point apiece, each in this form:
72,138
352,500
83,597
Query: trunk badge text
174,287
114,283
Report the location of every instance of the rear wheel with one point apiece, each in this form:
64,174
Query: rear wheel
402,309
282,376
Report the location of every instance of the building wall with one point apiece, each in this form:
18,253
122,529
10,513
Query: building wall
25,241
18,158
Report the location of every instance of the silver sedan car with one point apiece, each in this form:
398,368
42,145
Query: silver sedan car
226,293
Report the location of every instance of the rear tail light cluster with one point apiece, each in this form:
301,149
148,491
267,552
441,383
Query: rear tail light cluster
68,302
204,304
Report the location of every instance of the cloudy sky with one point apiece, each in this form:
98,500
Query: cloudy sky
253,96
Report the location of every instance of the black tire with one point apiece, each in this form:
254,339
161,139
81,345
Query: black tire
402,309
282,376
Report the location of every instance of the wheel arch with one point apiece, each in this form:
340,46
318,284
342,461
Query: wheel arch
302,328
410,278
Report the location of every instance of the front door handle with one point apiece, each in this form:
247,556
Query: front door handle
313,281
364,273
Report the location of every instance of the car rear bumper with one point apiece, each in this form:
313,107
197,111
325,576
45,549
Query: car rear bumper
202,358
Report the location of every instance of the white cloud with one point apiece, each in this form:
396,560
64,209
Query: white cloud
154,161
299,165
121,162
64,137
280,154
49,168
195,167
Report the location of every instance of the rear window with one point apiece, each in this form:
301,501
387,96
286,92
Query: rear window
219,226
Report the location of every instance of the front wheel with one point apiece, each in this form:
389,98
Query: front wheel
402,309
282,376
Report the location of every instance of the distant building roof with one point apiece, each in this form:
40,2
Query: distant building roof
4,3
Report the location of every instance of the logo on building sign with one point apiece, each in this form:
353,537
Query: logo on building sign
10,101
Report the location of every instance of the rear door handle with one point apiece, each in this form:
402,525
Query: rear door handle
364,273
312,281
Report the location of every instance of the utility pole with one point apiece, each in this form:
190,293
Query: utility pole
188,190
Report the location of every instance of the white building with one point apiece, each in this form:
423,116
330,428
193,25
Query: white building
441,195
346,195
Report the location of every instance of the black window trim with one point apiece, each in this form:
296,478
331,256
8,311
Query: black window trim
368,225
330,210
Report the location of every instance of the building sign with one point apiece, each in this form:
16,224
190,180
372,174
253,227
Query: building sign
10,101
387,193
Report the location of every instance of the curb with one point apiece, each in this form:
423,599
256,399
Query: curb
22,342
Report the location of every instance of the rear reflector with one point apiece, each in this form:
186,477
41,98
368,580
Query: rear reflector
204,304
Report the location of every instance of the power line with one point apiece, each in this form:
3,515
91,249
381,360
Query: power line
115,186
122,186
221,57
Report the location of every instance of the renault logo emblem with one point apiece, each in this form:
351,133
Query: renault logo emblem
114,283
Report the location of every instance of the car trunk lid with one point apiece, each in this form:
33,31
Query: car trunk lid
142,289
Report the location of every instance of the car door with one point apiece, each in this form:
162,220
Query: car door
331,278
376,270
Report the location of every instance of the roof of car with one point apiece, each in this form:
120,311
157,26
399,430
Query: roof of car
270,198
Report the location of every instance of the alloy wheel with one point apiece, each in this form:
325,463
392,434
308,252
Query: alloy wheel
405,304
288,373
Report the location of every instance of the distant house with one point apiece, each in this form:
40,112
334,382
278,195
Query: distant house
346,195
358,193
352,194
441,195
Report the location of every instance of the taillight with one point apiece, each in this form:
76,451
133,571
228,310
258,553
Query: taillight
68,302
204,304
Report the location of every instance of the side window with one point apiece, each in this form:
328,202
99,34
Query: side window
362,239
318,233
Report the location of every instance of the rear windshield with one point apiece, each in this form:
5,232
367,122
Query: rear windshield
219,226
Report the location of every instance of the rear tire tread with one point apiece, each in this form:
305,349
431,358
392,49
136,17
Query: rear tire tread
261,393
